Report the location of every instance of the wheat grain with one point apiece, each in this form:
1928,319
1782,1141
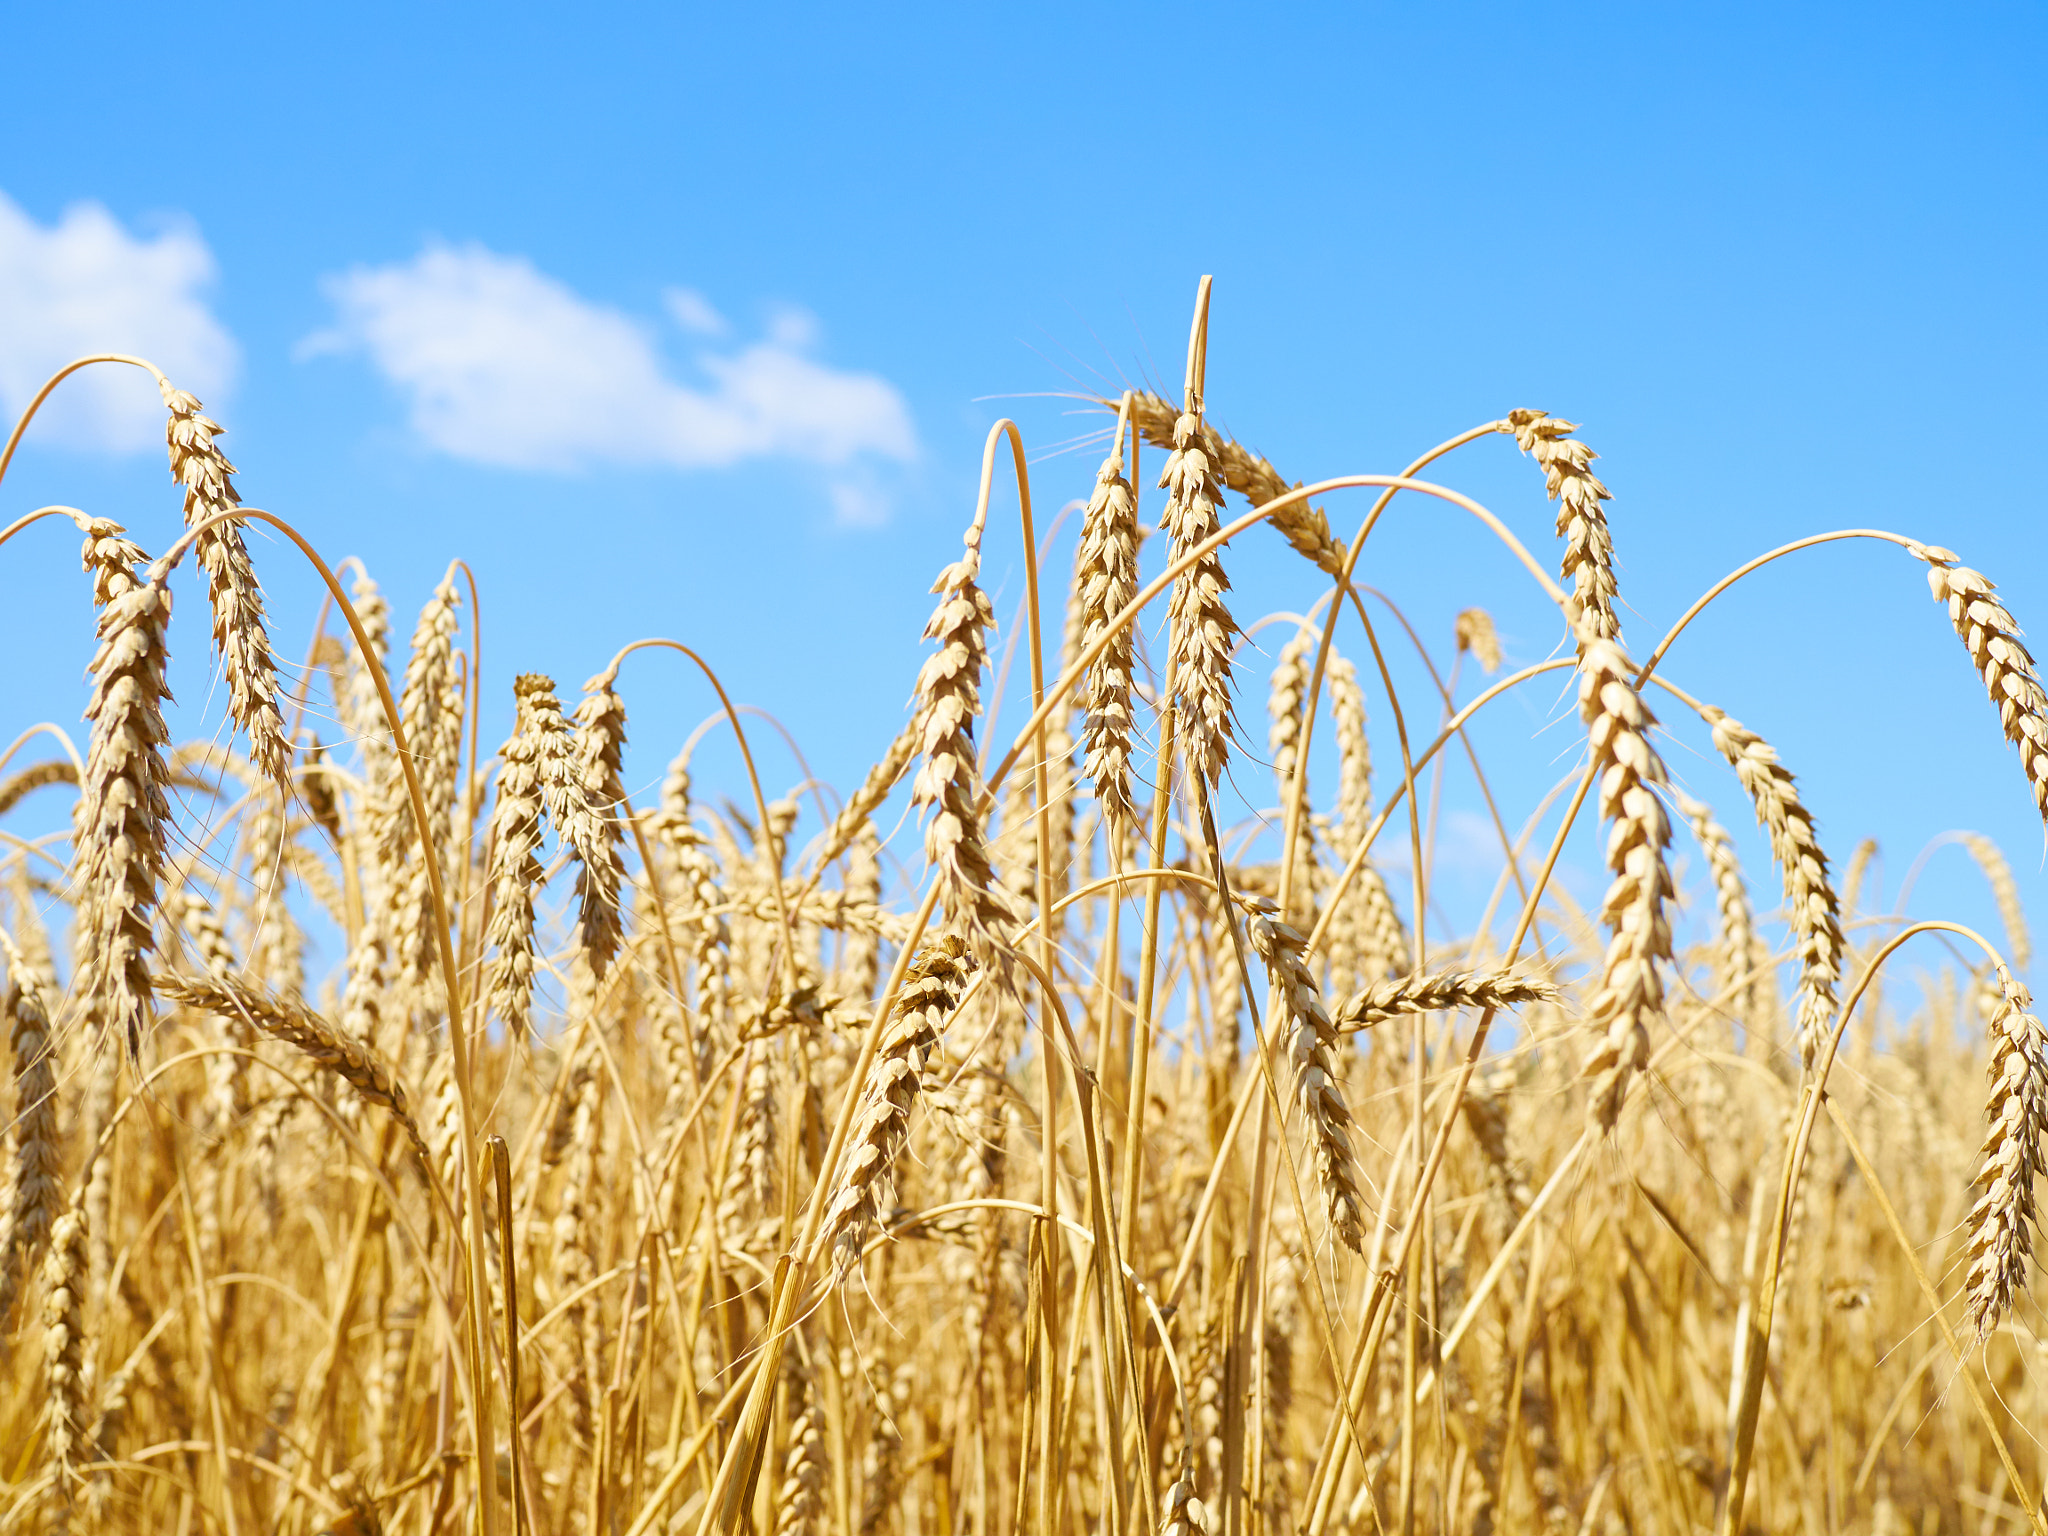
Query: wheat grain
1810,902
1631,991
1183,1514
239,634
2004,1221
1992,637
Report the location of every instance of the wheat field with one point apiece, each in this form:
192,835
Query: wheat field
1017,1143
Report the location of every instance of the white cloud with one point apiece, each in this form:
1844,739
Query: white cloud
84,285
504,365
693,312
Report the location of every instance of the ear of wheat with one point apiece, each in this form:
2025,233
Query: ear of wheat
2005,1220
1631,993
1203,629
122,811
239,631
1992,638
948,781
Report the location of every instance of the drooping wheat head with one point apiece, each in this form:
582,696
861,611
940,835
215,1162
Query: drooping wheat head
239,632
2005,1222
1810,904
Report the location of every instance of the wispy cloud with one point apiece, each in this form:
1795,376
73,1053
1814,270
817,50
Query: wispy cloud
502,364
86,284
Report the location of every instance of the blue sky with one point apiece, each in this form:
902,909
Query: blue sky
1784,268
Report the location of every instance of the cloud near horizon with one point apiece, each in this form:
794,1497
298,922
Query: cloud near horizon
504,365
86,284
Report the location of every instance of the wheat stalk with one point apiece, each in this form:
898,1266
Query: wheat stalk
238,627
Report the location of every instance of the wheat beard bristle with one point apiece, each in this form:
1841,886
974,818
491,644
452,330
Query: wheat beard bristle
1106,578
1811,907
1305,1036
34,1197
948,700
123,810
2004,1220
865,1188
1202,626
238,627
1631,992
1992,637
